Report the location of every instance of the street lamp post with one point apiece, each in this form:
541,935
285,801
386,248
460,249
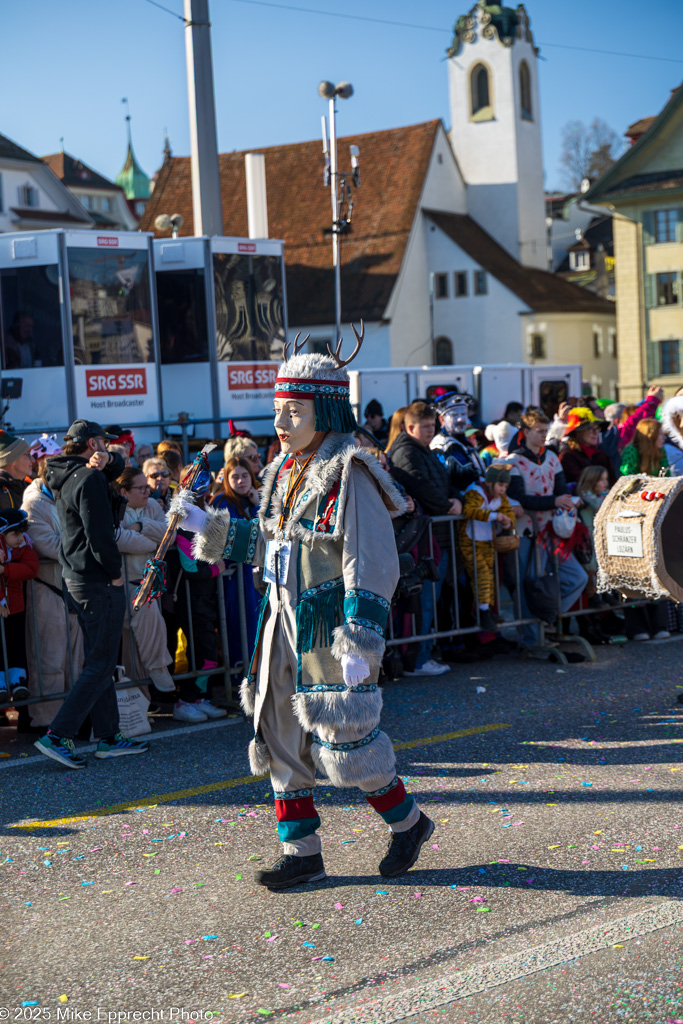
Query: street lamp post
340,186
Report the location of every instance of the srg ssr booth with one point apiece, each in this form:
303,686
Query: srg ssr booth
222,327
78,329
124,329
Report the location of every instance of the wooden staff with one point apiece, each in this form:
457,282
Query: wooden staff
187,483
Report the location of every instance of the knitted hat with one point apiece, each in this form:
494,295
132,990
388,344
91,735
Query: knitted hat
502,435
498,473
13,519
44,446
373,408
579,418
11,448
322,380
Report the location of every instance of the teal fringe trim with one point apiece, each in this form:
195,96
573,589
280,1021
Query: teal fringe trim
317,618
332,413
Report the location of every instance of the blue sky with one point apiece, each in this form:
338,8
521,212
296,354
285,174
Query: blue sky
72,62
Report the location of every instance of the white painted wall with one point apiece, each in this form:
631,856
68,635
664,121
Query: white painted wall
483,328
51,193
501,159
569,339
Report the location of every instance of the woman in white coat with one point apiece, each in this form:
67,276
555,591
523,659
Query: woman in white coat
47,640
141,529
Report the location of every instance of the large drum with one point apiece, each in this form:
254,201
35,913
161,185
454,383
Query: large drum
638,536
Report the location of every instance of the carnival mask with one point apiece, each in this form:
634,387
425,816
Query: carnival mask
455,420
294,424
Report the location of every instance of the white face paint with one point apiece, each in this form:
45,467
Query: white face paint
294,423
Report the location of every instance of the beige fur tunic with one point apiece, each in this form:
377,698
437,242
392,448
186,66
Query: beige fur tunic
341,575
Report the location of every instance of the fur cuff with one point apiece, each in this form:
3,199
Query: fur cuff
209,545
316,711
247,696
358,640
354,767
259,758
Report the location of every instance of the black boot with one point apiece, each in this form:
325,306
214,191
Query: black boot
404,847
289,870
488,622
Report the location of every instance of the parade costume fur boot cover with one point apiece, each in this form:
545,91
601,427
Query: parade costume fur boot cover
346,571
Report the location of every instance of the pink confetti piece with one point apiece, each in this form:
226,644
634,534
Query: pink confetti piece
435,846
273,938
503,861
339,906
188,942
95,849
129,883
477,899
417,895
282,984
175,890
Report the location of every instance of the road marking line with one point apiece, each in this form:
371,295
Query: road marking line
473,980
213,787
147,737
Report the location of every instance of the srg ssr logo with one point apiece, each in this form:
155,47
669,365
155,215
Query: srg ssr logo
116,382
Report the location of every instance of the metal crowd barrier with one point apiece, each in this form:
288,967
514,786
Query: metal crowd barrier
230,671
509,606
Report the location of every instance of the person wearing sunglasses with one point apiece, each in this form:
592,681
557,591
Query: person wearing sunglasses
158,477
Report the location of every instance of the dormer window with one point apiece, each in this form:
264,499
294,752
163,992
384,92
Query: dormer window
525,91
480,93
580,260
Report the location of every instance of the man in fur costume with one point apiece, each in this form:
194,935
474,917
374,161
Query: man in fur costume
325,539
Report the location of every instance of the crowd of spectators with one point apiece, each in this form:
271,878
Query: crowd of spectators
514,501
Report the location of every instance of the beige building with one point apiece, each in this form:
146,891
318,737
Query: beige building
644,193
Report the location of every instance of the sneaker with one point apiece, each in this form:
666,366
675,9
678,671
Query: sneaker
120,745
663,634
209,709
404,847
162,679
61,749
642,636
430,668
19,692
191,713
289,870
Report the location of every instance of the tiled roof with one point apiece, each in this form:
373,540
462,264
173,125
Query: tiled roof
75,174
10,151
639,128
34,213
542,291
656,181
393,166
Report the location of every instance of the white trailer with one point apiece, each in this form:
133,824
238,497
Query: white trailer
493,386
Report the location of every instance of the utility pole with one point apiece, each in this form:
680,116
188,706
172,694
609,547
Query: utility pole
340,188
206,185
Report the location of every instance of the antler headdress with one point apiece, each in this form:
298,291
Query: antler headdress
322,379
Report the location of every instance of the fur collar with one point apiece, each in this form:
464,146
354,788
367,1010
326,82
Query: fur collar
673,407
334,457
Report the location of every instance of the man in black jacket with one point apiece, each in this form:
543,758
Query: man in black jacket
417,468
91,564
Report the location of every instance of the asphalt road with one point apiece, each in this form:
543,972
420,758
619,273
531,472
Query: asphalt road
552,889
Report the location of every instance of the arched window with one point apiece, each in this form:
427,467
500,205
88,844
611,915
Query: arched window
480,91
525,90
443,352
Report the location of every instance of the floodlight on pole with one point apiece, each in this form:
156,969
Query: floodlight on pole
340,187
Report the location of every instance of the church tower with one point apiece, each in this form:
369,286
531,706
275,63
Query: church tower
496,127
